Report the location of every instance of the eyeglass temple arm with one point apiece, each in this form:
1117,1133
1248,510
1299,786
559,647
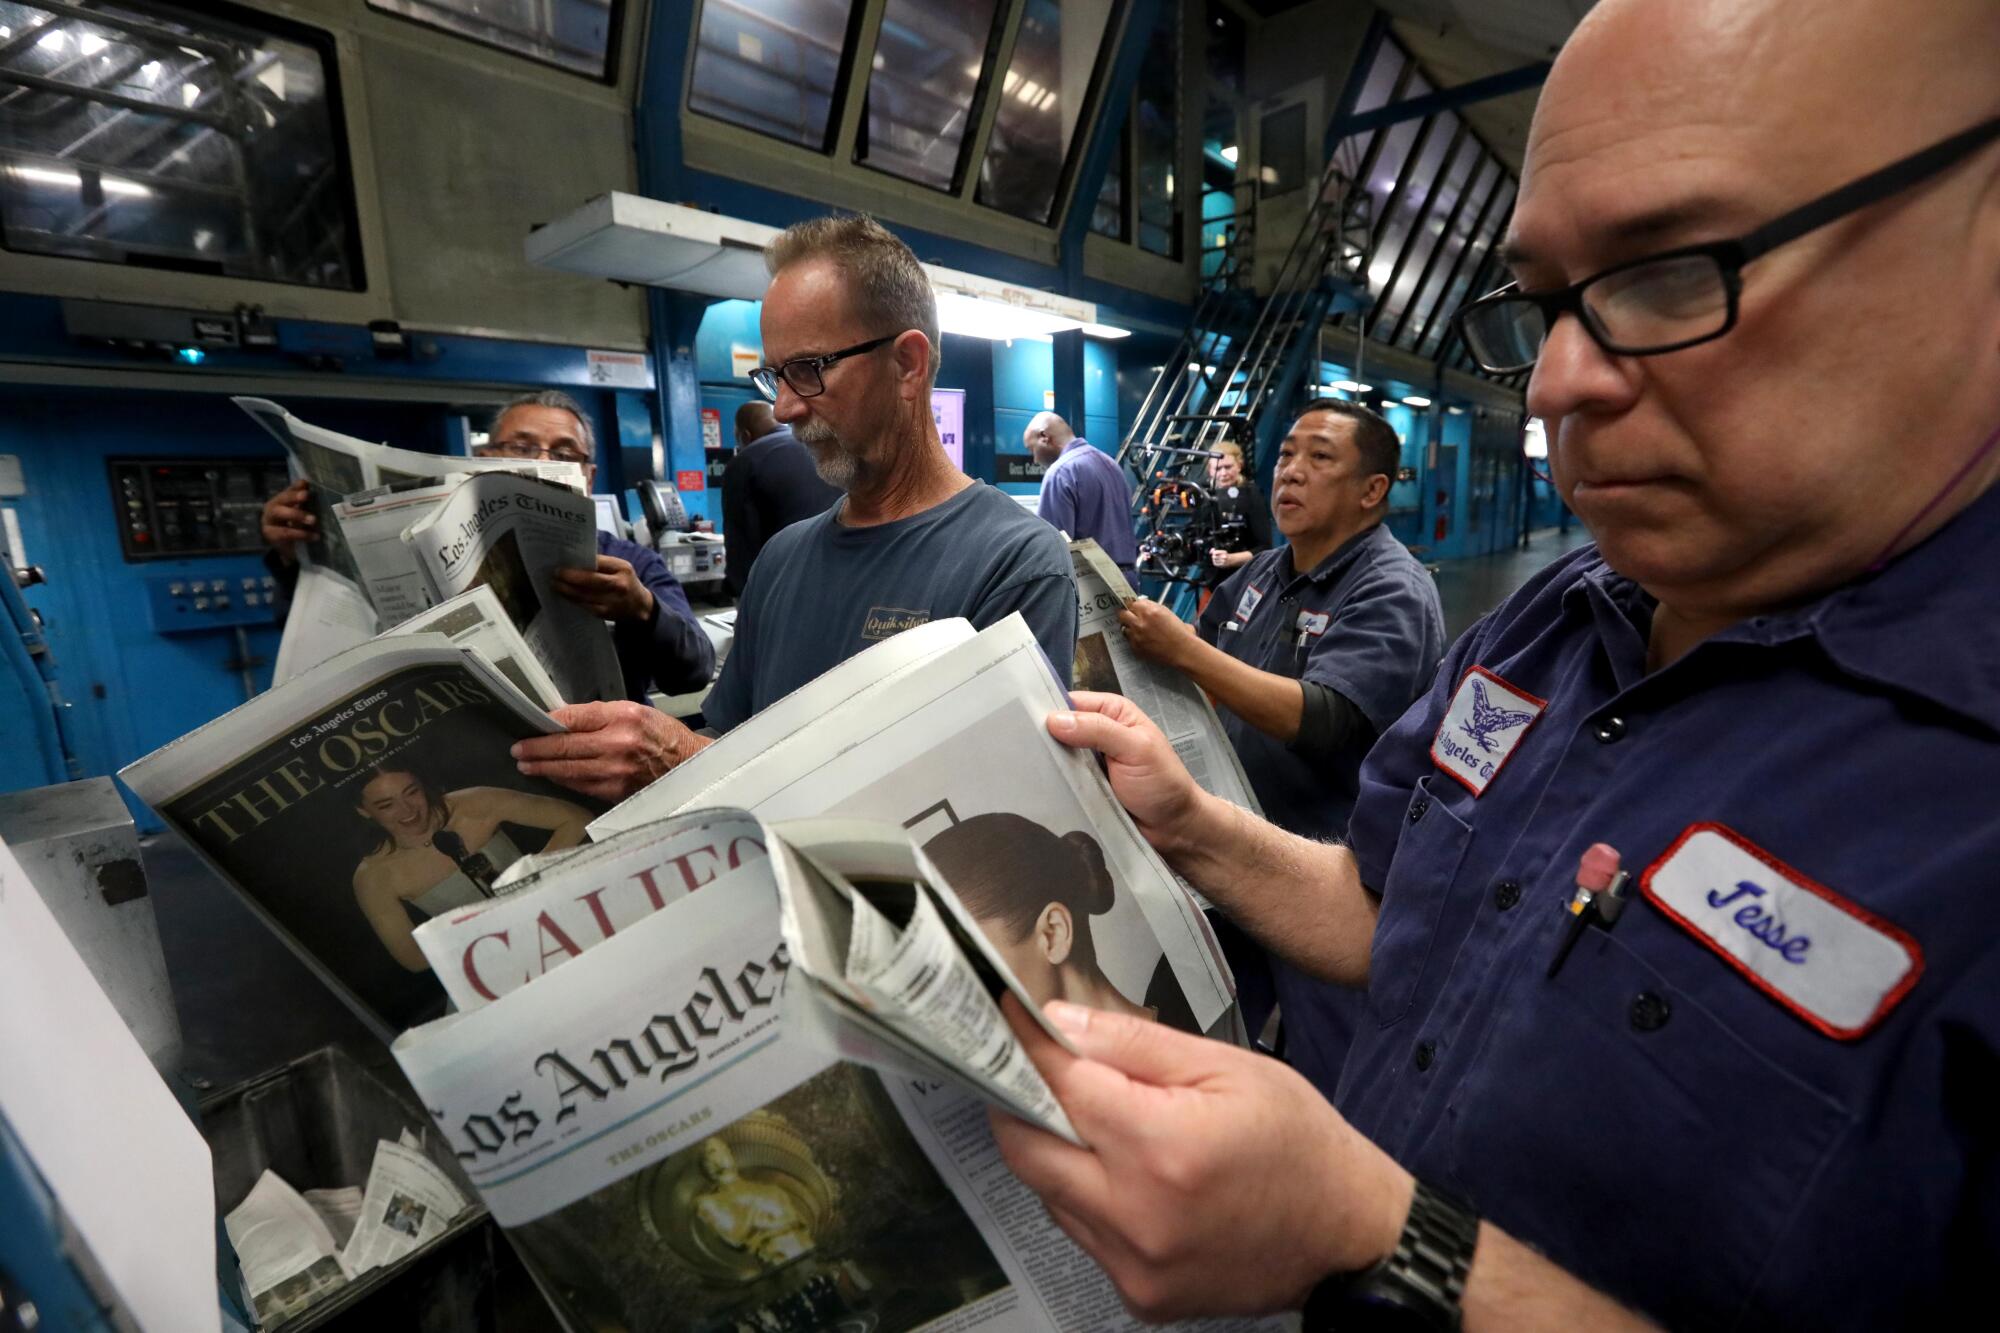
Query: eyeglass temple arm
1881,184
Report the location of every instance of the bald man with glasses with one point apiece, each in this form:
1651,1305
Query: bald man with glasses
1674,898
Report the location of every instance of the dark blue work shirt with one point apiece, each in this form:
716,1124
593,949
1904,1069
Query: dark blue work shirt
1086,494
822,592
1770,1095
668,649
1365,622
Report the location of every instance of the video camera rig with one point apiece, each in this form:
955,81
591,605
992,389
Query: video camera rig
1181,520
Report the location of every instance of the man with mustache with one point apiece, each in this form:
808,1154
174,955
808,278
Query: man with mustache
851,342
1310,652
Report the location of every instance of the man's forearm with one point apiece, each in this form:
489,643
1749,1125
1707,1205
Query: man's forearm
1511,1287
1273,704
1303,900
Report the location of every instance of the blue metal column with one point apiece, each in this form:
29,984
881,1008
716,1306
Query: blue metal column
676,318
1069,378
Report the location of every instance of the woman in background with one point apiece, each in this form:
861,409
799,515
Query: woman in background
441,850
1033,894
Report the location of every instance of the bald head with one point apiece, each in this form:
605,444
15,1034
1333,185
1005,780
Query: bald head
1778,459
1046,437
754,420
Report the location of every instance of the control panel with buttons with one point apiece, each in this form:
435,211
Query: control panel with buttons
178,507
180,604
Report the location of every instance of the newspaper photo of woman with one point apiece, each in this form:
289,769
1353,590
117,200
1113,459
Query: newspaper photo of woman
437,851
1033,894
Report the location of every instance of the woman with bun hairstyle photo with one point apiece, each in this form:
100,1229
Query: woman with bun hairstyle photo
1033,894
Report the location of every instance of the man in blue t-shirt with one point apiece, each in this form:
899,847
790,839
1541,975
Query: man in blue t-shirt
851,338
1084,491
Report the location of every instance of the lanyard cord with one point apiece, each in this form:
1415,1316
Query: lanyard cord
1978,456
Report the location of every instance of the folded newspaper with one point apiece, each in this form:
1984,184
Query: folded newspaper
942,731
1106,663
717,1074
362,798
295,1248
358,577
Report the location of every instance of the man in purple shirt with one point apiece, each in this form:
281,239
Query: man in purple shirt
1755,1085
1084,491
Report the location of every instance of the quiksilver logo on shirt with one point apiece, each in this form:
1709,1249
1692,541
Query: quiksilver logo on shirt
886,622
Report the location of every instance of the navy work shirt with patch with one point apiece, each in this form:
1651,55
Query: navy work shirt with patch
1769,1096
821,592
1365,621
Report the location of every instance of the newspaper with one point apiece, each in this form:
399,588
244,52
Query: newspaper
408,1203
672,1126
475,619
330,608
361,798
1106,663
511,533
942,732
289,1259
339,1208
372,524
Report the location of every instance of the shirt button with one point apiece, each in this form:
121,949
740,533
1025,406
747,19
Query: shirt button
1608,730
1506,894
1426,1052
1417,811
1650,1012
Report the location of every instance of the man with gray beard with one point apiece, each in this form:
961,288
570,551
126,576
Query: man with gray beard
851,342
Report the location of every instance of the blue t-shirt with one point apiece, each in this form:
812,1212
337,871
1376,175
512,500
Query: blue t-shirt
1765,1097
1086,494
821,592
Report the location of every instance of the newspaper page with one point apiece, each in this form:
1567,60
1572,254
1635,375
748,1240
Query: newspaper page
372,524
408,1202
339,1208
955,750
867,675
288,1256
1106,663
671,1135
511,534
362,798
330,609
475,619
545,919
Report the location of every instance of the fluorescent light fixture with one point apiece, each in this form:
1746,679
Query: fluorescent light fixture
1535,443
1456,411
979,317
189,94
90,43
1416,400
110,184
1105,331
53,40
1228,154
1353,386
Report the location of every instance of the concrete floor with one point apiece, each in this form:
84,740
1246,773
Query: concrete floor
1470,588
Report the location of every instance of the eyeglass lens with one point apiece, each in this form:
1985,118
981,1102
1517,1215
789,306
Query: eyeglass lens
1647,308
803,376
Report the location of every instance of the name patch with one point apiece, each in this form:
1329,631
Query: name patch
1313,622
886,622
1834,964
1486,721
1247,603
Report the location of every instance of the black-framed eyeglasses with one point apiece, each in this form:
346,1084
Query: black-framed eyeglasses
1682,297
807,374
528,449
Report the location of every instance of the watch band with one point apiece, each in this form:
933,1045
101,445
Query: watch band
1420,1283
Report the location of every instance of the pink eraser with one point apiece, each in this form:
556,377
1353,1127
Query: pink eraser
1595,870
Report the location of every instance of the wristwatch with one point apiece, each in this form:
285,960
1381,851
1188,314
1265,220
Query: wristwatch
1417,1287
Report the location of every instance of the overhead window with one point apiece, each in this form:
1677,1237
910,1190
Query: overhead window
148,135
928,60
770,65
576,35
1042,98
1156,120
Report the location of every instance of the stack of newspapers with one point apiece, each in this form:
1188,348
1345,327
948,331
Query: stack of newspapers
727,1064
402,533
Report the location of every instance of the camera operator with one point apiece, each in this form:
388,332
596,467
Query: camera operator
1310,651
1243,517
